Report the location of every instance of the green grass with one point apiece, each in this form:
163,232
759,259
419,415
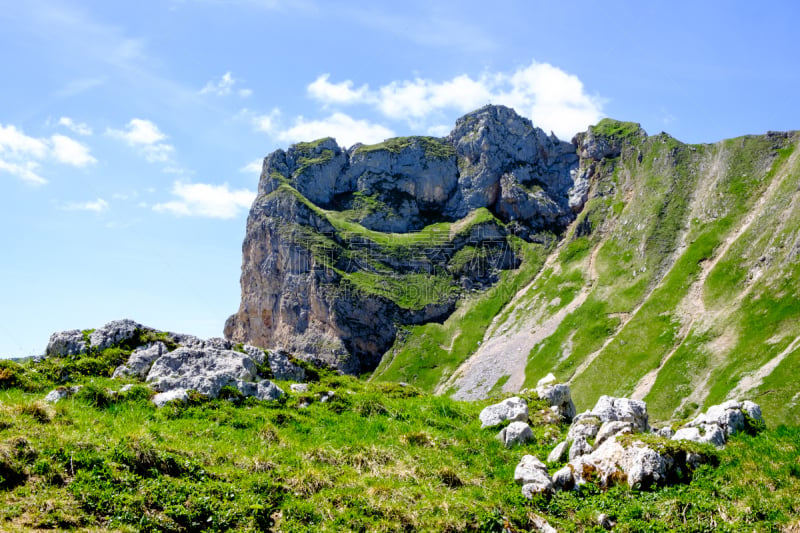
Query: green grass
423,355
409,291
433,148
378,457
636,264
615,128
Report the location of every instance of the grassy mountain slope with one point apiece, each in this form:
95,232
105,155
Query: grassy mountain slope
678,283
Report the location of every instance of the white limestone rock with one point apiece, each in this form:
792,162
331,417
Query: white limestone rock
515,433
560,452
609,409
703,433
66,343
531,473
283,369
514,409
114,333
163,398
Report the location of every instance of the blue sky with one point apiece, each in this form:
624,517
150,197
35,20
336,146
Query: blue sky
131,133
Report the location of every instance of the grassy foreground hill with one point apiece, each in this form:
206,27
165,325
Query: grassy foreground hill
376,457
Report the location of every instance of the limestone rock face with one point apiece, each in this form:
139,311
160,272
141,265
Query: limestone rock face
318,281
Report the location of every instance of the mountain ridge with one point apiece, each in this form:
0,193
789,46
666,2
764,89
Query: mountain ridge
625,285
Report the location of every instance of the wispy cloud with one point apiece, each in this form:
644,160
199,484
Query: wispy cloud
22,155
145,136
26,171
207,200
224,87
432,27
80,128
555,100
267,123
253,167
97,206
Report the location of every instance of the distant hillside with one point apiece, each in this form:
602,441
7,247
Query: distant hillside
678,283
624,263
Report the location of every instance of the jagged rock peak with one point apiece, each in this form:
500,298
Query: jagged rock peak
317,279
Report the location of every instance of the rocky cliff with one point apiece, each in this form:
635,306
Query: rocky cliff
624,263
343,247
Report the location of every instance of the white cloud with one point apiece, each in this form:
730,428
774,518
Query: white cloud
439,130
76,127
206,200
21,155
146,136
224,87
71,152
336,93
25,171
98,206
552,98
266,123
253,167
346,130
16,143
139,132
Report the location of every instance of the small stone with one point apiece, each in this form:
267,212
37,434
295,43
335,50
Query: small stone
163,398
560,452
563,479
298,387
529,469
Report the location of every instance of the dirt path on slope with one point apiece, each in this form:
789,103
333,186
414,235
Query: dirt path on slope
505,347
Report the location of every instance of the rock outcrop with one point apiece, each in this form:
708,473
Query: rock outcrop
173,364
343,246
598,453
720,421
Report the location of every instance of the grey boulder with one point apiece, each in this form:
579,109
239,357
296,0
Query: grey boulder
206,371
514,409
66,343
515,433
558,395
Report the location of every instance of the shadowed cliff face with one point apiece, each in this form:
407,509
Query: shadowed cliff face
343,247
